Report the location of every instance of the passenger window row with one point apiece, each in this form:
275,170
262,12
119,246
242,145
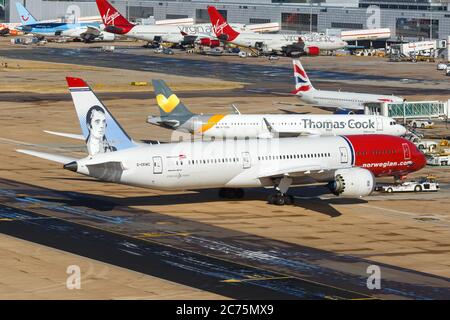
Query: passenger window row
375,152
296,156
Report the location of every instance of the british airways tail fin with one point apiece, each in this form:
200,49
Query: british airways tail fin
101,131
25,16
302,83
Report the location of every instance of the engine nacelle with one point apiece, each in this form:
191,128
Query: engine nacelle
107,36
312,51
208,42
352,183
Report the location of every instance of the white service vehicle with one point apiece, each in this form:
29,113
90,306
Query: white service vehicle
421,185
423,124
442,66
438,160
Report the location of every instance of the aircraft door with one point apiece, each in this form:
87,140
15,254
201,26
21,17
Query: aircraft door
379,124
246,161
344,154
406,151
157,165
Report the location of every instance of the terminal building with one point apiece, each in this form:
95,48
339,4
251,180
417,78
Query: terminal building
408,19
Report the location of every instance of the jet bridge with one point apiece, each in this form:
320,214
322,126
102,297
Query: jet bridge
409,110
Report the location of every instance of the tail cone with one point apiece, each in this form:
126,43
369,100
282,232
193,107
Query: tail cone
72,166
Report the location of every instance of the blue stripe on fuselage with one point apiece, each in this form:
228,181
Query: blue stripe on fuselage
352,151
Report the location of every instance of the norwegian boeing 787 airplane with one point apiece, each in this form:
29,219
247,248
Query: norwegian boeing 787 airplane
349,164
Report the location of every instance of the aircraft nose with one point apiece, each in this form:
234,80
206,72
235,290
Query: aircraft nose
419,158
402,130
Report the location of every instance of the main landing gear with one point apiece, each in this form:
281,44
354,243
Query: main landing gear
280,198
231,193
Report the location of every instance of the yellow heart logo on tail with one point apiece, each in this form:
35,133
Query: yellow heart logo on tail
167,104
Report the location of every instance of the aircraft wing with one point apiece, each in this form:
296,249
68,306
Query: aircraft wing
92,30
288,134
48,156
297,171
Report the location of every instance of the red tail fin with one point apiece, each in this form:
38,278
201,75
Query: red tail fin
221,27
111,17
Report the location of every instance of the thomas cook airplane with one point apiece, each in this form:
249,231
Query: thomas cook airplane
349,164
175,115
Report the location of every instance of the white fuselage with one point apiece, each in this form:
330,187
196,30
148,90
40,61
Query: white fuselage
255,126
277,42
171,33
343,100
234,163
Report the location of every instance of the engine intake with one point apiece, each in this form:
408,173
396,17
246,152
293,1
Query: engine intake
352,183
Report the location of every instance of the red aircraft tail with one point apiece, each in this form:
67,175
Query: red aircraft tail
221,27
112,19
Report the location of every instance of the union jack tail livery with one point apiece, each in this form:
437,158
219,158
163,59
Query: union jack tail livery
302,83
112,18
221,28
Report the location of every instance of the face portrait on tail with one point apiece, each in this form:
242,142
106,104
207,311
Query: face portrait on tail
96,124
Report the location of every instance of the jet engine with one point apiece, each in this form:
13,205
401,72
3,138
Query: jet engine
352,183
107,36
294,50
312,51
208,42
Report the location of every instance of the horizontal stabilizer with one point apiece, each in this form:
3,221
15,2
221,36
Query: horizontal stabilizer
67,135
48,156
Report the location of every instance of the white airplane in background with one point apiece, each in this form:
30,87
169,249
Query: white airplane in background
116,23
284,43
349,164
175,115
333,100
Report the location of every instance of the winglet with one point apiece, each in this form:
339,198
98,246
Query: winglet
76,83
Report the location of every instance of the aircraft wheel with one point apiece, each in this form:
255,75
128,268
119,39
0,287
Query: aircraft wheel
280,200
271,199
289,200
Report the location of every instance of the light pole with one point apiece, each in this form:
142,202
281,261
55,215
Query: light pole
431,23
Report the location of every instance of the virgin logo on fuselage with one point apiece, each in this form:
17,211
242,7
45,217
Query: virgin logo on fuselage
109,19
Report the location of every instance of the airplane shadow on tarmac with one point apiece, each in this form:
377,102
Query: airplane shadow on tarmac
306,197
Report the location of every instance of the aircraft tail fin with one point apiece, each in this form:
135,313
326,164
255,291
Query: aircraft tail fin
169,104
25,16
221,28
302,83
113,20
100,129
